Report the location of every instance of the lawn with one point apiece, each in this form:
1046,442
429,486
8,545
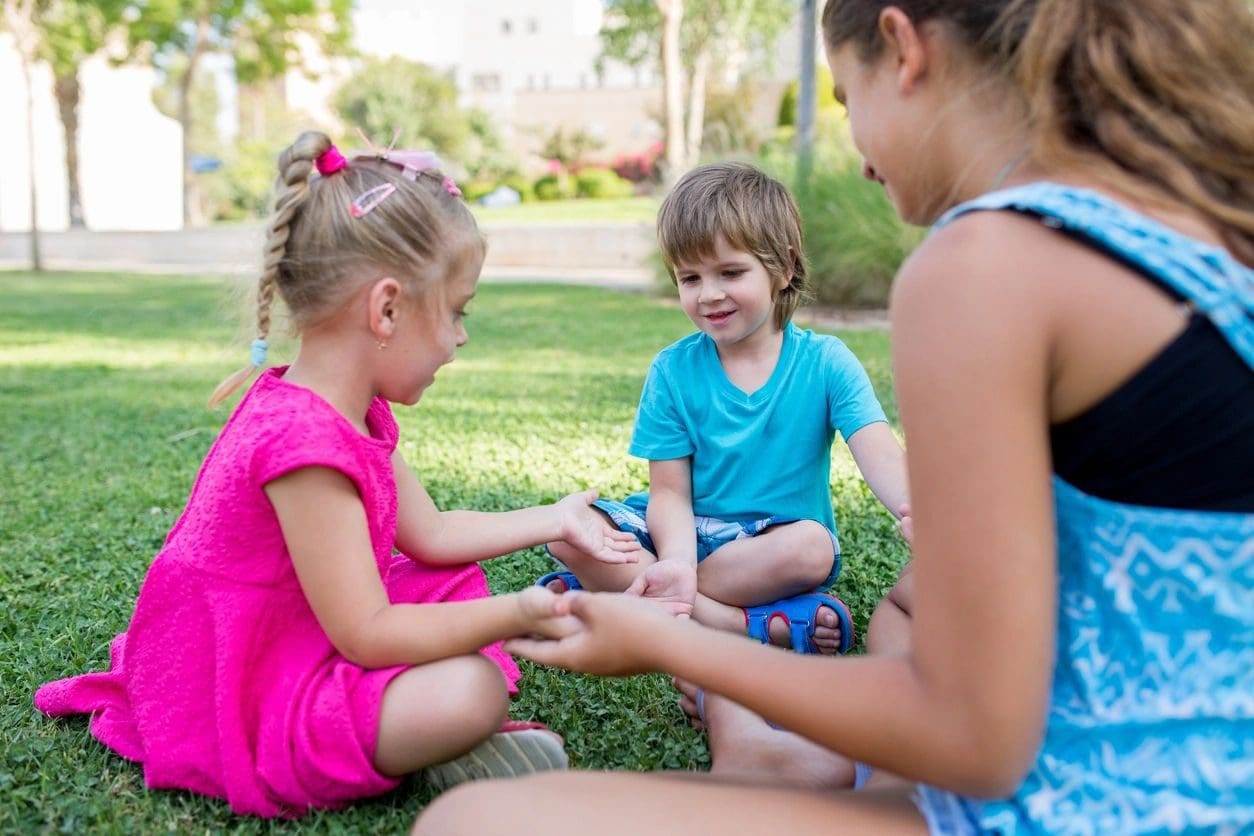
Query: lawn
639,209
103,380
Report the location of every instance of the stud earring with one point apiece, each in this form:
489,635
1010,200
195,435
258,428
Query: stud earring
380,344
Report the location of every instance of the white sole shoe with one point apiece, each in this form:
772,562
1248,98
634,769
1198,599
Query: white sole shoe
506,754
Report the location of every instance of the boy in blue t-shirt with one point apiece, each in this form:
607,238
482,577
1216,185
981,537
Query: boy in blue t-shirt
737,422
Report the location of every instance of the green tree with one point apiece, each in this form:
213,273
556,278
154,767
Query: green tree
71,32
569,147
714,39
390,94
265,39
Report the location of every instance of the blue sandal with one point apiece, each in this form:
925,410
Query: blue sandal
800,612
567,578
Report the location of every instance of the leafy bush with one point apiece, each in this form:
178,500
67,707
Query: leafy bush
243,188
641,167
555,186
601,182
389,94
472,190
519,184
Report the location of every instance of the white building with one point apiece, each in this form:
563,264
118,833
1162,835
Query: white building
531,64
129,154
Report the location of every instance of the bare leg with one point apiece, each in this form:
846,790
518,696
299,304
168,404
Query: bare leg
628,804
434,712
595,575
889,630
783,561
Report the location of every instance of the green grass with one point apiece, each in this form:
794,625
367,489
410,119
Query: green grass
103,380
639,209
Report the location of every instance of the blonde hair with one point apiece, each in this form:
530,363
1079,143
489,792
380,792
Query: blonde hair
317,253
753,212
1154,97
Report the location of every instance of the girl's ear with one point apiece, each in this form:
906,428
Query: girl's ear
382,303
904,46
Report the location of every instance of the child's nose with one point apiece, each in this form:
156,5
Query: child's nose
711,291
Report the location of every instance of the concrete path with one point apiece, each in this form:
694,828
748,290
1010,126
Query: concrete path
604,254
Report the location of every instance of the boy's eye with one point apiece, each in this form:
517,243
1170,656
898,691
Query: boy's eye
731,274
687,279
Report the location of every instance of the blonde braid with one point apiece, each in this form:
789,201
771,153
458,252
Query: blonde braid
295,165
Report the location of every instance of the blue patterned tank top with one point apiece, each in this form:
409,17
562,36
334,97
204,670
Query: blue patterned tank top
1151,716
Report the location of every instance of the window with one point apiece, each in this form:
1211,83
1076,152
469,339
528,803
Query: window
486,82
533,25
506,26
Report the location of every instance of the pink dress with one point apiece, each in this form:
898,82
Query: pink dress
224,683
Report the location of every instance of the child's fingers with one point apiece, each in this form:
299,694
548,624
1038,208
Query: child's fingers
541,651
558,627
638,586
608,555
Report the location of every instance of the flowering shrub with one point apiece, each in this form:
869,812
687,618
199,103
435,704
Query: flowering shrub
641,167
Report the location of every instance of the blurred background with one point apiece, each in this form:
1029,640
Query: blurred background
165,116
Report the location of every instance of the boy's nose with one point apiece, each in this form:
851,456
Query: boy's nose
711,292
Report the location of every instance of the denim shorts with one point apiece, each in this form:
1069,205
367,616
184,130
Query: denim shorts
629,515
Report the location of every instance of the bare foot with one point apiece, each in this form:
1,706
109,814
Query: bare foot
826,631
744,746
688,701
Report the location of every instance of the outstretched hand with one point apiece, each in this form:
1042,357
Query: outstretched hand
586,530
618,635
670,583
543,613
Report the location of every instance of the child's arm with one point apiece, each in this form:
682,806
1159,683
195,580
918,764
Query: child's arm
324,526
672,580
457,536
882,463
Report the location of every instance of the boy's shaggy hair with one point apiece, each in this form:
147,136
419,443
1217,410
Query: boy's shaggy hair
753,212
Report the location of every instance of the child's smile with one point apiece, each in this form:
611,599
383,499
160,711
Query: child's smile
729,294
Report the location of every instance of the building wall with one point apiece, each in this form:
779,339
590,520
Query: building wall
130,156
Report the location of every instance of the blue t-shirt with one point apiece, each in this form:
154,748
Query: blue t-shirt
763,454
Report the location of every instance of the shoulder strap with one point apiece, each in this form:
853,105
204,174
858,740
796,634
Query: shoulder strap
1218,286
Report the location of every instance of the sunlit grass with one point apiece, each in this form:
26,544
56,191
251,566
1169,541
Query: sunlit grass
103,382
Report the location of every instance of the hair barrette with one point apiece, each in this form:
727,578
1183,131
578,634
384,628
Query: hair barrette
411,163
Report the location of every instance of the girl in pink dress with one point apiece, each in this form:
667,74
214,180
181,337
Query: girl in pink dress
314,627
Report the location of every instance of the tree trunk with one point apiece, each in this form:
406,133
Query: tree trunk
673,85
36,257
696,107
18,16
191,200
67,90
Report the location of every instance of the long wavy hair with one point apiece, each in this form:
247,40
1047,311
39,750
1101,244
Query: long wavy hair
1154,97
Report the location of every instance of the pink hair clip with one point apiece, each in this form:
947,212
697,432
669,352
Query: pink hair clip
369,199
330,161
411,164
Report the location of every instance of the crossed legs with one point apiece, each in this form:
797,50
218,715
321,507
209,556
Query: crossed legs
782,561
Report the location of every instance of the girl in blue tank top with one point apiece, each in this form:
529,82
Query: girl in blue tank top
1074,356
